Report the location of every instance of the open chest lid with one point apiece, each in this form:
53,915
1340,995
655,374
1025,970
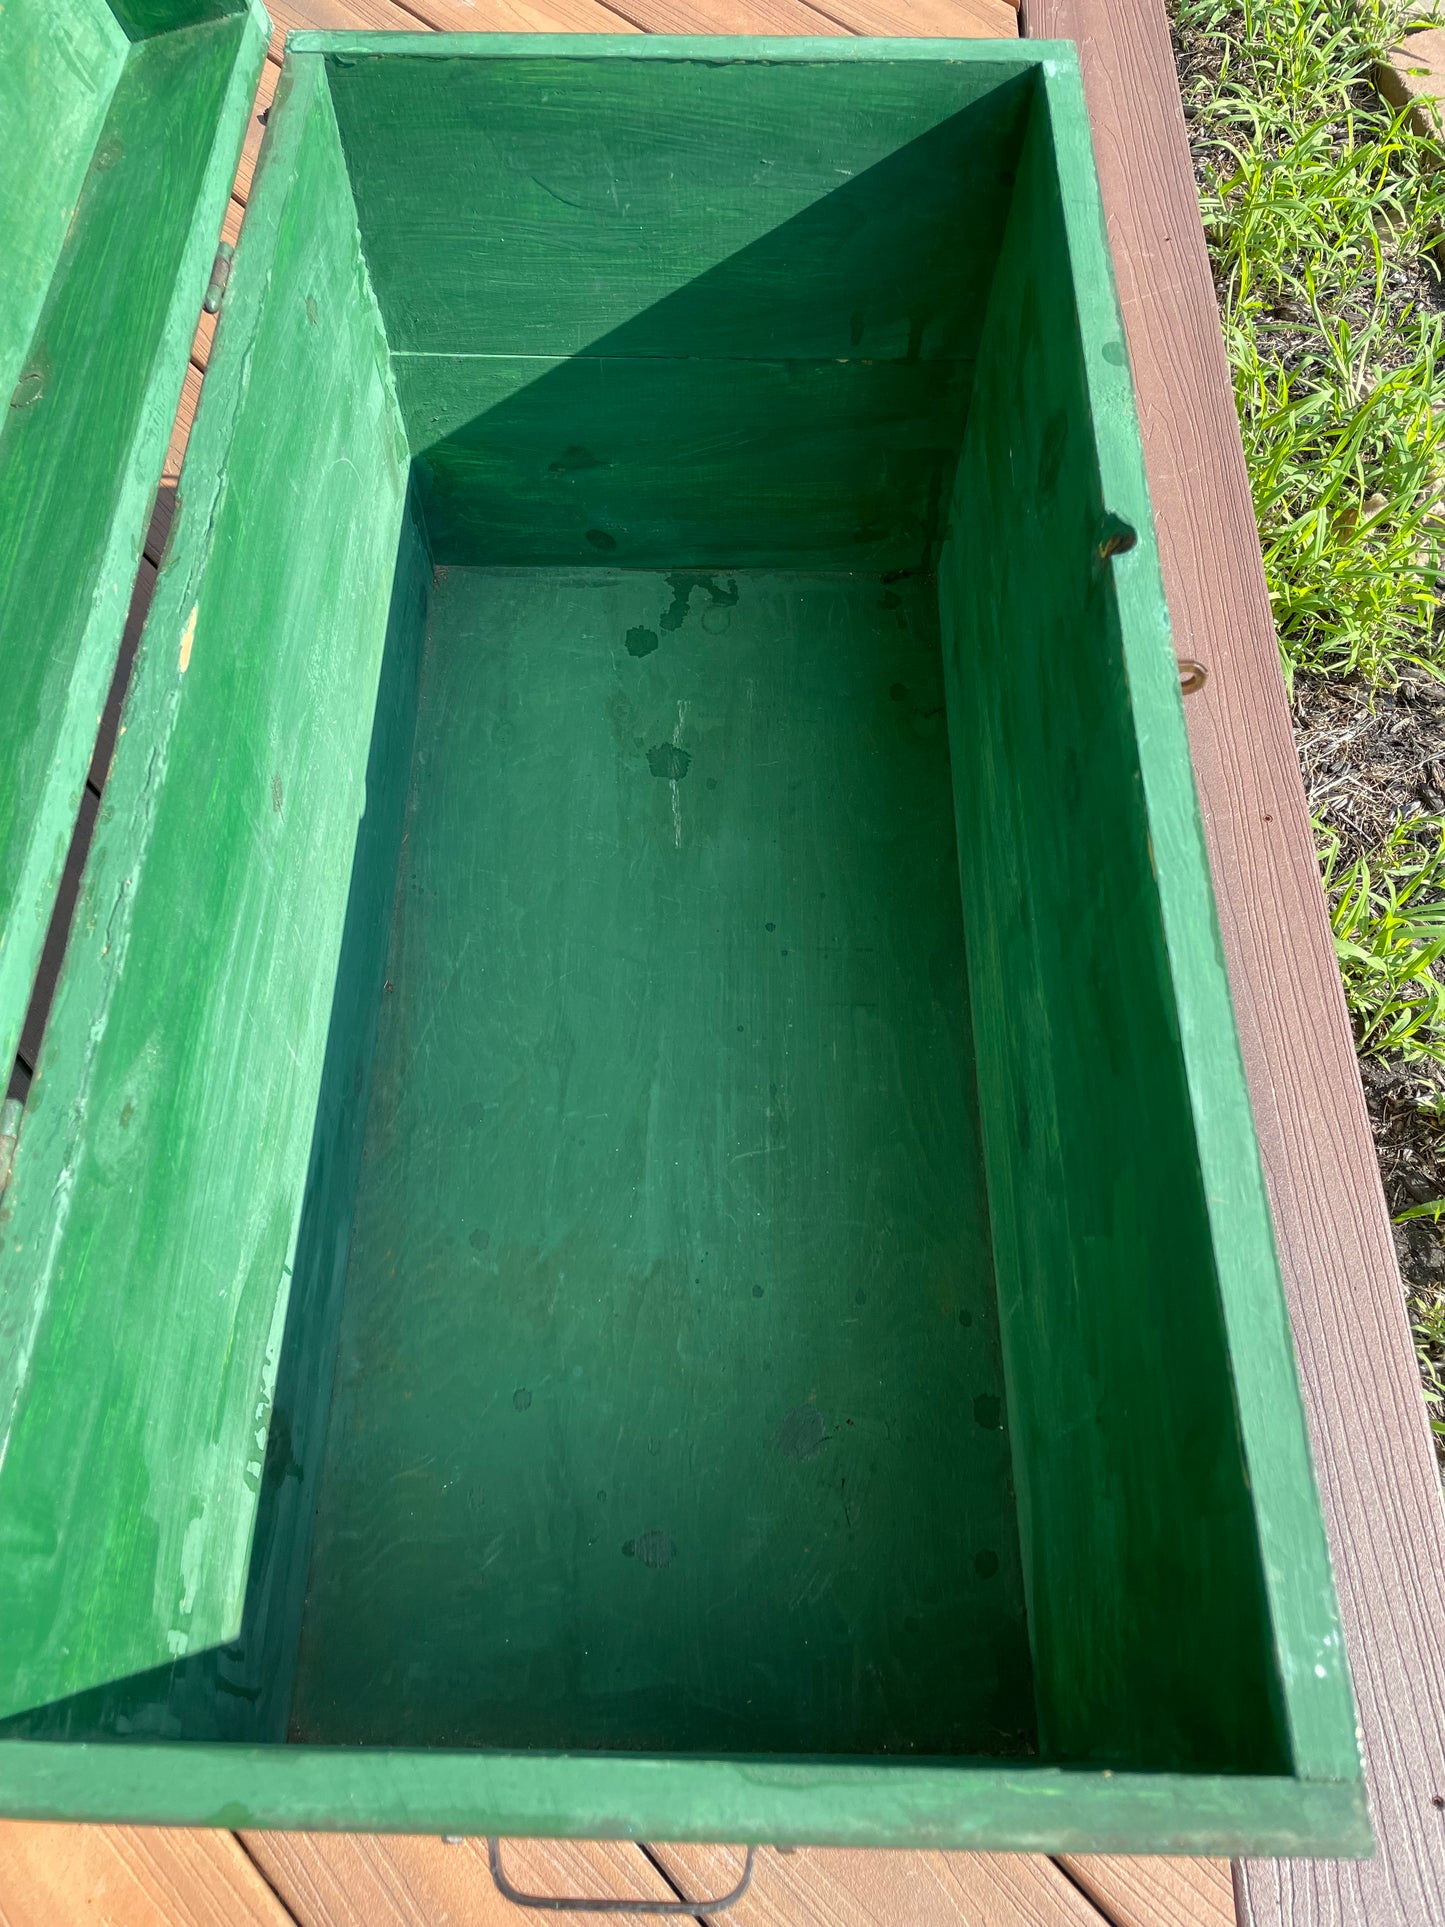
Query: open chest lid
123,121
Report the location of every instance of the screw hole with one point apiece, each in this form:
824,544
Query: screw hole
1116,537
1192,676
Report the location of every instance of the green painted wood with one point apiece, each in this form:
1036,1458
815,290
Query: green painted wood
668,463
59,63
1309,1647
572,1158
142,18
1021,1807
855,204
668,1378
1102,1063
123,255
153,1205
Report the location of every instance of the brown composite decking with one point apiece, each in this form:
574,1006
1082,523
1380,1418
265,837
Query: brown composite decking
1376,1469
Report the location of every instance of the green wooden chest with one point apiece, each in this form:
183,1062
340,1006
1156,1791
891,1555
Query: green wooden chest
639,1214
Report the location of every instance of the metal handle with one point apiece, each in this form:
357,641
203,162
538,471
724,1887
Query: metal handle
579,1904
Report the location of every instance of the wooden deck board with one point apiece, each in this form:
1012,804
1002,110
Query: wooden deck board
406,1880
820,1887
1377,1471
1154,1892
59,1876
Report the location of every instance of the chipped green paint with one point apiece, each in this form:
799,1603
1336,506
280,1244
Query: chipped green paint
625,1276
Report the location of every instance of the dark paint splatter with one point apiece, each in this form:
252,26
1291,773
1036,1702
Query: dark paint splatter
757,1291
640,641
280,1459
985,1563
682,586
574,461
988,1411
600,539
770,926
898,691
479,1240
654,1549
860,1298
803,1434
965,1318
669,761
521,1399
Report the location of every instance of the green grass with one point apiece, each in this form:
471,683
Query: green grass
1388,912
1315,195
1321,206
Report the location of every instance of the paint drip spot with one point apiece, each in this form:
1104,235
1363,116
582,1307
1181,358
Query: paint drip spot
669,761
479,1240
575,461
988,1411
985,1563
757,1291
278,795
188,638
654,1549
682,586
521,1399
640,641
311,309
770,927
965,1318
802,1434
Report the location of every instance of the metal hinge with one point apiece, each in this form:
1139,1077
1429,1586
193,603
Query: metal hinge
220,275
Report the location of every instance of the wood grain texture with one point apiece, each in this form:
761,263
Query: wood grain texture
729,16
818,1887
85,427
131,1466
1107,1074
849,1889
606,1238
1155,1892
926,19
410,1880
1378,1478
61,1876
